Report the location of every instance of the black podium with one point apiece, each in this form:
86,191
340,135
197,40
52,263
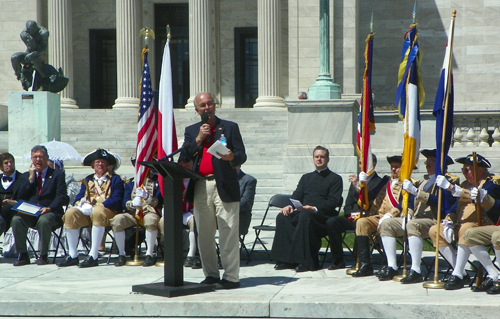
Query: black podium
174,284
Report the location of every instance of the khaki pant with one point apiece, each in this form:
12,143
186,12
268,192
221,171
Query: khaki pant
420,227
210,213
100,216
460,230
484,235
366,226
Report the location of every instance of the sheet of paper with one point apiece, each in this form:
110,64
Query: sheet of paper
217,147
296,204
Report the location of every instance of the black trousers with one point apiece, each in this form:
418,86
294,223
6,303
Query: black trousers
45,224
336,226
6,214
298,238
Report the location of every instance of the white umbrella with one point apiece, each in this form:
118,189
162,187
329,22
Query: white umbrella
59,151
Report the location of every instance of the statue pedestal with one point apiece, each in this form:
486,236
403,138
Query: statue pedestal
34,118
332,124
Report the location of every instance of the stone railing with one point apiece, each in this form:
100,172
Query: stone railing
473,129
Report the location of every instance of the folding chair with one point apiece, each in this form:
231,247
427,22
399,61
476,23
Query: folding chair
277,201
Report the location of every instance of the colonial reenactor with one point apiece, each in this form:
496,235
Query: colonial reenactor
419,220
98,202
384,206
463,214
477,239
148,199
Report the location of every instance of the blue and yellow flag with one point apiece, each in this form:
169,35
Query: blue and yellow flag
409,98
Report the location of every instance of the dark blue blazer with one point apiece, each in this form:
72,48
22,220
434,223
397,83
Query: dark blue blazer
53,193
225,175
114,201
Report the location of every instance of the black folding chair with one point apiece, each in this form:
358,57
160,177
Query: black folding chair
277,201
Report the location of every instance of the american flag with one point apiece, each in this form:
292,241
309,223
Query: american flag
146,126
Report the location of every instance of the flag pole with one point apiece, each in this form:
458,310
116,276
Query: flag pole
147,33
436,284
479,273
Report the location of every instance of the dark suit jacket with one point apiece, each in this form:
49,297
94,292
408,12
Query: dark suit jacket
351,202
53,193
225,174
248,183
115,198
11,191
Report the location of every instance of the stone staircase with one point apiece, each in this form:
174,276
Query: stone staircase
264,133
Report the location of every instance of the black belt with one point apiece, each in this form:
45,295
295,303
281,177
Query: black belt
210,177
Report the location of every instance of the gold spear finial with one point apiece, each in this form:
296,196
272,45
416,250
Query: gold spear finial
168,32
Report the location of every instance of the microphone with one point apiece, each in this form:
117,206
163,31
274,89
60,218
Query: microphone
185,146
204,120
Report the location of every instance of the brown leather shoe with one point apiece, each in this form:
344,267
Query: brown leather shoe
43,260
22,260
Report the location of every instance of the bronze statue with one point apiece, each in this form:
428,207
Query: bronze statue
30,67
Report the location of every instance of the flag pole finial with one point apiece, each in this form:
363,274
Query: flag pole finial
371,24
454,13
168,32
147,33
414,14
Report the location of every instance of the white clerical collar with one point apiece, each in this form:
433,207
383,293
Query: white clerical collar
322,170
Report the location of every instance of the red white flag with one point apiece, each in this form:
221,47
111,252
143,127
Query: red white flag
167,138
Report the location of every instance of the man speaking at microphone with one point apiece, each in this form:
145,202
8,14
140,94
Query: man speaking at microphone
216,199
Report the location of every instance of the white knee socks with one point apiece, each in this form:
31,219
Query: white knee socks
97,233
150,241
415,245
390,251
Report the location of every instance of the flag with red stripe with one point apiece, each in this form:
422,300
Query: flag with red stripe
146,127
366,125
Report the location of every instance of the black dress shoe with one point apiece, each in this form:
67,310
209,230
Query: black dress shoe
89,262
149,261
382,271
226,284
454,283
412,277
364,270
210,281
69,262
189,262
301,268
196,264
121,261
484,286
337,265
388,275
495,290
466,279
281,266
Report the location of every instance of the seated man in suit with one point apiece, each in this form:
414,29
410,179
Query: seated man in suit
337,225
10,182
45,187
299,230
98,202
248,183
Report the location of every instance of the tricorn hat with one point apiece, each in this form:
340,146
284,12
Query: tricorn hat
99,154
469,160
433,153
395,158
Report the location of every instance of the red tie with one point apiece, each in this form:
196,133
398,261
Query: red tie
39,182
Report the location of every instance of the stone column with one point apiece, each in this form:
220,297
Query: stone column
202,49
324,88
350,40
61,45
269,35
128,48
